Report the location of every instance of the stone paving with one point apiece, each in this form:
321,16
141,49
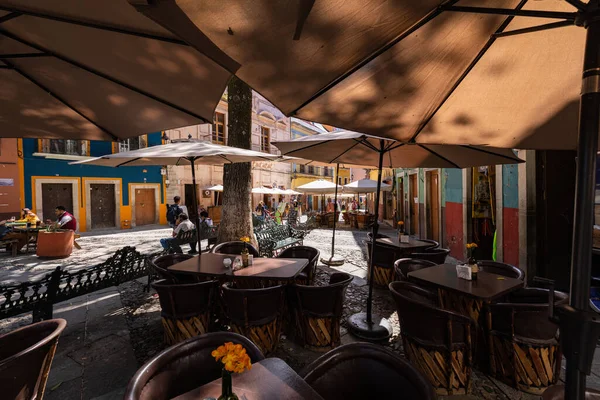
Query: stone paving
112,332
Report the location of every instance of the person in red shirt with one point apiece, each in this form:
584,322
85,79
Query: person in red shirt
65,220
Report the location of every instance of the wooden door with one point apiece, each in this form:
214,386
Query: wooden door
433,205
54,195
400,198
102,205
414,205
145,207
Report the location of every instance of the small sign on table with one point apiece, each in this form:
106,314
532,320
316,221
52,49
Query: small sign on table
463,271
404,239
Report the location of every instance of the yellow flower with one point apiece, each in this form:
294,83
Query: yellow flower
471,246
400,222
245,239
233,356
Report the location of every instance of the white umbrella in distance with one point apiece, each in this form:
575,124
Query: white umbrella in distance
215,188
183,152
366,186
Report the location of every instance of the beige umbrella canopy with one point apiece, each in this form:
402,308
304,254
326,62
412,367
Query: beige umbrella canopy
366,186
405,69
319,186
98,70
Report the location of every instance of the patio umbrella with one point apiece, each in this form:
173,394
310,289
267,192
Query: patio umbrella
83,69
291,192
182,152
505,74
346,146
216,188
365,186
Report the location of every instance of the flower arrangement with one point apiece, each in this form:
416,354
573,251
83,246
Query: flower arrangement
470,248
401,226
233,356
245,252
245,239
235,360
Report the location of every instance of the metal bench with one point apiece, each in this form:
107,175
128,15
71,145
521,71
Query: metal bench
276,238
189,237
10,244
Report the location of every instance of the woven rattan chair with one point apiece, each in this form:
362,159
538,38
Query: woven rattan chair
184,367
186,308
405,265
524,342
160,264
499,268
434,244
436,341
436,255
557,392
234,247
318,311
383,263
365,371
307,276
255,313
25,358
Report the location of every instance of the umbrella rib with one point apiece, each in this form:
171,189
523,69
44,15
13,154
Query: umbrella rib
439,155
517,12
367,144
515,158
462,77
93,25
343,152
372,56
536,28
303,148
59,98
128,161
10,16
24,55
100,74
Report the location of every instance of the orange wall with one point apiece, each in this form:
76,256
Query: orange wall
10,179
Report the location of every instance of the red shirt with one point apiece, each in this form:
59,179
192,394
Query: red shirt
67,221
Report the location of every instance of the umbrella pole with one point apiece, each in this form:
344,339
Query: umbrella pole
195,201
332,261
578,326
366,325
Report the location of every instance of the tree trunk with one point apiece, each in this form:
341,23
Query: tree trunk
236,217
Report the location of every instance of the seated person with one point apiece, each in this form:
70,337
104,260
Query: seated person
205,218
29,217
64,219
6,233
184,225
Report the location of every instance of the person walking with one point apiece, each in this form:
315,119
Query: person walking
173,212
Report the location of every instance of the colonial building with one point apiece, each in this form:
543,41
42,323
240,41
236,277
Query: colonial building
268,124
11,184
98,197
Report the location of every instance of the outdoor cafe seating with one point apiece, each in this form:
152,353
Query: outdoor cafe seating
186,308
158,267
436,255
366,371
318,312
307,276
184,367
438,342
26,355
255,313
235,247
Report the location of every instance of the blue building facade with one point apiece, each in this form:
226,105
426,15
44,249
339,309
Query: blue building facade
99,197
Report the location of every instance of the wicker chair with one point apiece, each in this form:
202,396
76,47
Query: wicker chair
307,276
437,342
318,311
499,268
379,236
405,265
434,244
256,314
383,263
186,308
525,351
234,247
365,371
160,264
25,358
184,367
436,255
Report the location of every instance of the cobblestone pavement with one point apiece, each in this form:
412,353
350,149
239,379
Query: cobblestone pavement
134,316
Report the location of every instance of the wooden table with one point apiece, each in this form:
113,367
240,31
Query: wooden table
268,379
211,264
413,245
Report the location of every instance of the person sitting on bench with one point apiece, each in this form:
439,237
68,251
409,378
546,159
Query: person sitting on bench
6,233
184,225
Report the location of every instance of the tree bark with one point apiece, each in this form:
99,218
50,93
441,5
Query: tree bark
236,216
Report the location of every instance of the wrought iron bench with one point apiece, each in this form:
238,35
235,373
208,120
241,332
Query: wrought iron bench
39,296
189,237
10,245
276,238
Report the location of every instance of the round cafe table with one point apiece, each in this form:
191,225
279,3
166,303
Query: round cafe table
413,245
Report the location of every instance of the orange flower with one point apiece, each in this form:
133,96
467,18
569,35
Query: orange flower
233,356
400,222
245,239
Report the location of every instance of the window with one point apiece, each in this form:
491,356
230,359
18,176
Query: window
302,169
345,181
131,144
339,181
64,146
218,128
311,170
265,139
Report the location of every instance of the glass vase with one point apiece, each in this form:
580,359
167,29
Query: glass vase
226,387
